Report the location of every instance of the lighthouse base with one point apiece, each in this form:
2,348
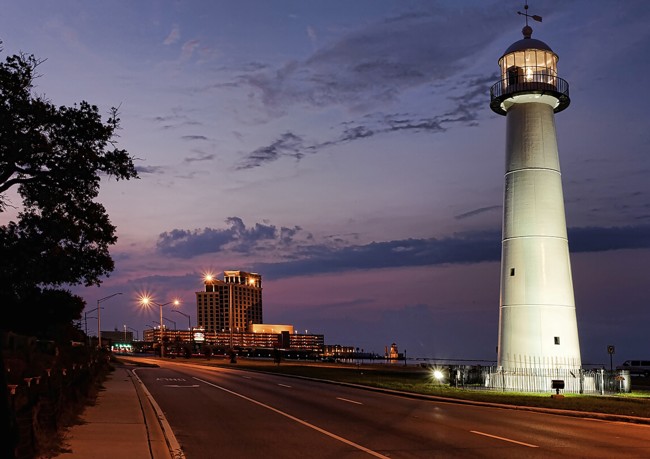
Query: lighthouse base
541,380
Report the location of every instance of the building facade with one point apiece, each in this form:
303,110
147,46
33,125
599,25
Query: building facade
231,304
279,339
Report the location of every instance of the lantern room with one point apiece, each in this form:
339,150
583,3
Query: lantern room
529,74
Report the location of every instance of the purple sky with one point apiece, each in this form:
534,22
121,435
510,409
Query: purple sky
346,151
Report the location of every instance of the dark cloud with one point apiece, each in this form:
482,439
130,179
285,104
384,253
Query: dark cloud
592,239
149,169
317,259
471,247
474,212
295,146
300,255
373,66
236,238
288,144
200,156
175,119
194,137
376,63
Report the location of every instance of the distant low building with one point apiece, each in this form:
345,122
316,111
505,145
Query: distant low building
282,339
116,336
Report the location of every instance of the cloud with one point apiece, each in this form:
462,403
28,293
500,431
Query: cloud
288,144
474,212
236,238
313,37
194,137
371,67
149,169
173,36
294,145
375,64
188,49
200,156
299,254
321,258
594,239
470,247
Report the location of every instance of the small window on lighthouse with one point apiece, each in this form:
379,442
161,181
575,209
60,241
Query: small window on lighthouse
557,340
512,271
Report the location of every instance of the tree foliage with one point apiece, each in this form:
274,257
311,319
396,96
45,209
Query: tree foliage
53,159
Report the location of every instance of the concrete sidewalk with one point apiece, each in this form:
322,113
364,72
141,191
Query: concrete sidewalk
122,423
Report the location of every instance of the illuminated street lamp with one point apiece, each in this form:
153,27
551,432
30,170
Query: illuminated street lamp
438,375
99,318
146,301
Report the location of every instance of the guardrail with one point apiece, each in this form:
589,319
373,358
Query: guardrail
532,84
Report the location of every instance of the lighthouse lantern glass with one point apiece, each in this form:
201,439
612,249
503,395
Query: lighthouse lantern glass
526,66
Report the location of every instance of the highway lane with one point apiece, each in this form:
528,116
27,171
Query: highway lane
217,412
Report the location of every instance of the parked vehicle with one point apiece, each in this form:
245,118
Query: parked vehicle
636,367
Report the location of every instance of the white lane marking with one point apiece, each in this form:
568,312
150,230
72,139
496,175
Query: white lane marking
349,401
284,385
176,385
299,421
504,439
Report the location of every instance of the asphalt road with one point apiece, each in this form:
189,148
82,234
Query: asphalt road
225,413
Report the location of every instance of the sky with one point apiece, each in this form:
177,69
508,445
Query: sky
345,150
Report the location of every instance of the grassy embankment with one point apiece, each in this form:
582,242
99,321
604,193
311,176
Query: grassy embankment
420,381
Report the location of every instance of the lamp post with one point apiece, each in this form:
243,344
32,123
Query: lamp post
146,301
86,319
230,313
189,324
99,318
137,336
189,320
169,320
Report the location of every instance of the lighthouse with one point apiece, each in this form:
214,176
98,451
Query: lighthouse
537,316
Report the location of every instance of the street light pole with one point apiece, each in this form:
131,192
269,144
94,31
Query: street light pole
162,345
172,321
137,336
189,320
230,313
86,319
99,318
145,301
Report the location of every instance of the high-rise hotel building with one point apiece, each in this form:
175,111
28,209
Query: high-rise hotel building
231,304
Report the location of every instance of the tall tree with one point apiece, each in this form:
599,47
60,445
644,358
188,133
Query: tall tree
53,157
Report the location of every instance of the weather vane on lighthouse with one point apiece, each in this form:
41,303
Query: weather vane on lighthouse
532,16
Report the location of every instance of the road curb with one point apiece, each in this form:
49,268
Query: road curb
162,441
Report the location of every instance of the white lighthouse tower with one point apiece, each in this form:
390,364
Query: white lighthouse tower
537,316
